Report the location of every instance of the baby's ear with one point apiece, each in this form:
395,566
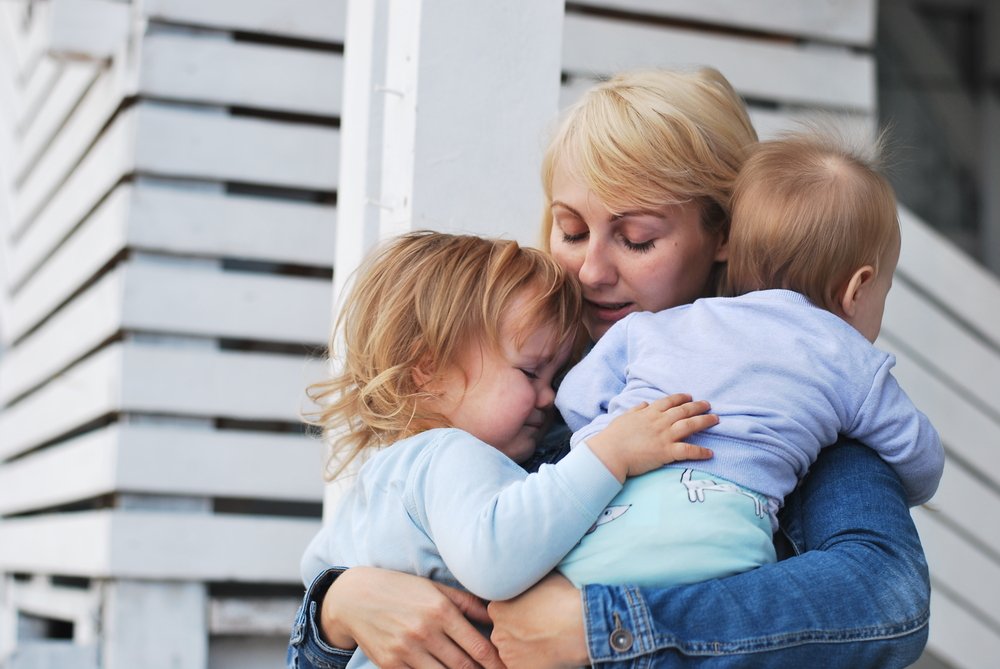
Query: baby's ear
856,290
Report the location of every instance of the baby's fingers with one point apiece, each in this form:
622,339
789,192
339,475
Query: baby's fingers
672,401
685,427
680,450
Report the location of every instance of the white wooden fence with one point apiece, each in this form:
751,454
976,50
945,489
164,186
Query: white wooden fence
170,168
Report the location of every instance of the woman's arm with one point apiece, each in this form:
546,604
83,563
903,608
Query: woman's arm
857,596
398,619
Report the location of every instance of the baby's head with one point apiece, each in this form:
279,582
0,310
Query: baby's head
812,215
418,305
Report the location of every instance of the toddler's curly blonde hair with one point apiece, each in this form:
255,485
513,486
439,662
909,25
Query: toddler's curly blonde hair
417,302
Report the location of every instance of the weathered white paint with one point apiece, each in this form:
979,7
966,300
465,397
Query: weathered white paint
251,616
841,21
37,596
959,636
750,64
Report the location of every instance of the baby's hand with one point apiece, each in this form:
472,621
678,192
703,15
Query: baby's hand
649,436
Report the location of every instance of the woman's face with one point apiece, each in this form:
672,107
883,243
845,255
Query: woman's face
634,261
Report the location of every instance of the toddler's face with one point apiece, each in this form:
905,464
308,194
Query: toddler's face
503,397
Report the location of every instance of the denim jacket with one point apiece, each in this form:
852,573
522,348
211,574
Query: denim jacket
855,593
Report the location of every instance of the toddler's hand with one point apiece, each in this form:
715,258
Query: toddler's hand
649,436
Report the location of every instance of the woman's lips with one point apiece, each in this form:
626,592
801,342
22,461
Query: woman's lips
609,311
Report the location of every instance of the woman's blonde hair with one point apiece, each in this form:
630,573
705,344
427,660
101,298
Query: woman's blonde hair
809,210
653,138
419,300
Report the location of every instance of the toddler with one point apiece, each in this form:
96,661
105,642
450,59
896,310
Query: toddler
449,348
788,365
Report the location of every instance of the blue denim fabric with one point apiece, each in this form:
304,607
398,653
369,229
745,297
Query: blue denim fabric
857,596
306,648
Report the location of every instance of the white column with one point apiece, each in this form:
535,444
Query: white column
447,104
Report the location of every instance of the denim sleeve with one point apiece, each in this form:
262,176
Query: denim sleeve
306,648
856,595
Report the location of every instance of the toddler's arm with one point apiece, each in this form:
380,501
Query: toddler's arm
500,530
902,435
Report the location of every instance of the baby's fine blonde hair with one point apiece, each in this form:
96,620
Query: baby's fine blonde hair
653,138
809,210
417,302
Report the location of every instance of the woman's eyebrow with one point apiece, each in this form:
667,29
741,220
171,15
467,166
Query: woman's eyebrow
560,203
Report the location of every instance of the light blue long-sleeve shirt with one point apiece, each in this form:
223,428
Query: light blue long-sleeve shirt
784,376
444,505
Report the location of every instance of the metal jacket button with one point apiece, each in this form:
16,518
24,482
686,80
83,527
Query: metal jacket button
621,638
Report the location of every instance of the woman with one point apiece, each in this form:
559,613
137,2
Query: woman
637,183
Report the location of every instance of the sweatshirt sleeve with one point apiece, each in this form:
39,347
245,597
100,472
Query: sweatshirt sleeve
889,423
498,529
589,387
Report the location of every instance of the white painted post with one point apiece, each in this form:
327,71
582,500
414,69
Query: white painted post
140,623
446,108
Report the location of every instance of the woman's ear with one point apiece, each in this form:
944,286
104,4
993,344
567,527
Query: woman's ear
857,288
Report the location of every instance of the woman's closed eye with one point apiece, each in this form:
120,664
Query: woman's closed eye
531,374
638,247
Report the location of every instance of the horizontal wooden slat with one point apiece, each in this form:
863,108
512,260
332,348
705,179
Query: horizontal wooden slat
192,222
230,384
221,71
943,271
39,598
600,47
182,142
849,21
41,127
91,29
85,392
972,365
964,568
103,166
34,92
251,616
958,636
321,20
964,426
961,490
72,265
162,546
165,460
178,299
767,122
77,329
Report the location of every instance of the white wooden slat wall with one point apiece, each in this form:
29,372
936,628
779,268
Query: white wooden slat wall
170,239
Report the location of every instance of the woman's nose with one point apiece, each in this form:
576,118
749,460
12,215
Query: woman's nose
597,268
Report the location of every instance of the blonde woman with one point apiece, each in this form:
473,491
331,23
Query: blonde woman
638,182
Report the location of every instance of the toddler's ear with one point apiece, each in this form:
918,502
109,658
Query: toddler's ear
856,290
423,372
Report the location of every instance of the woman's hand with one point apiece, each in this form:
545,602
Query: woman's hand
542,627
400,620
